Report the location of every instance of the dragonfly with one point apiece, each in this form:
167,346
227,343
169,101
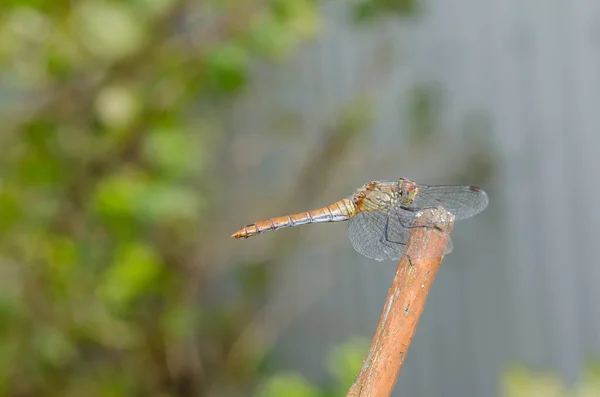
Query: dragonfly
380,214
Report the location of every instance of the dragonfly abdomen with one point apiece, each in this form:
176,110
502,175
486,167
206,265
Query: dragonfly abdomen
339,211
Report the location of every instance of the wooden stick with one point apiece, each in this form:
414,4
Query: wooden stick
404,305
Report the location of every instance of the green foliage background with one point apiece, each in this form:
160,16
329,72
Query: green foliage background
519,381
109,178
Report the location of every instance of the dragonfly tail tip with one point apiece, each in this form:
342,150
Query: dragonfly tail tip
239,234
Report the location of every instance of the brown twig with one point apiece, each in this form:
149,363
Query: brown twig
404,305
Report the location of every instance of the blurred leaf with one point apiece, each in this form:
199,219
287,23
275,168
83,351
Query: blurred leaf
174,153
36,157
44,5
109,30
480,159
61,254
355,116
9,308
10,209
590,382
288,385
424,113
39,168
23,37
154,7
119,194
254,278
53,346
9,353
94,322
117,107
275,32
167,204
367,10
177,321
131,194
227,67
301,17
592,373
518,381
345,361
133,273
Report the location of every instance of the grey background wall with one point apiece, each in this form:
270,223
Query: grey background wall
519,91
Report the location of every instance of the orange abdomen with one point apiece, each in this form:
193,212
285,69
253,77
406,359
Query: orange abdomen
339,211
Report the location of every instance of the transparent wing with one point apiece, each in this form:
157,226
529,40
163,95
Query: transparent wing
462,201
379,235
401,219
373,234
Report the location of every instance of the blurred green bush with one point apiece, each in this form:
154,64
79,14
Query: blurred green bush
107,191
344,363
519,381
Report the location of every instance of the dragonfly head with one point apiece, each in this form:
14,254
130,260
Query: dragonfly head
408,191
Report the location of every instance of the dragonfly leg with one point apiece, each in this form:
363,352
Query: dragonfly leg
386,235
387,241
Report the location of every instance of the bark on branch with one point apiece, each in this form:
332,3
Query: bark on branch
404,305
